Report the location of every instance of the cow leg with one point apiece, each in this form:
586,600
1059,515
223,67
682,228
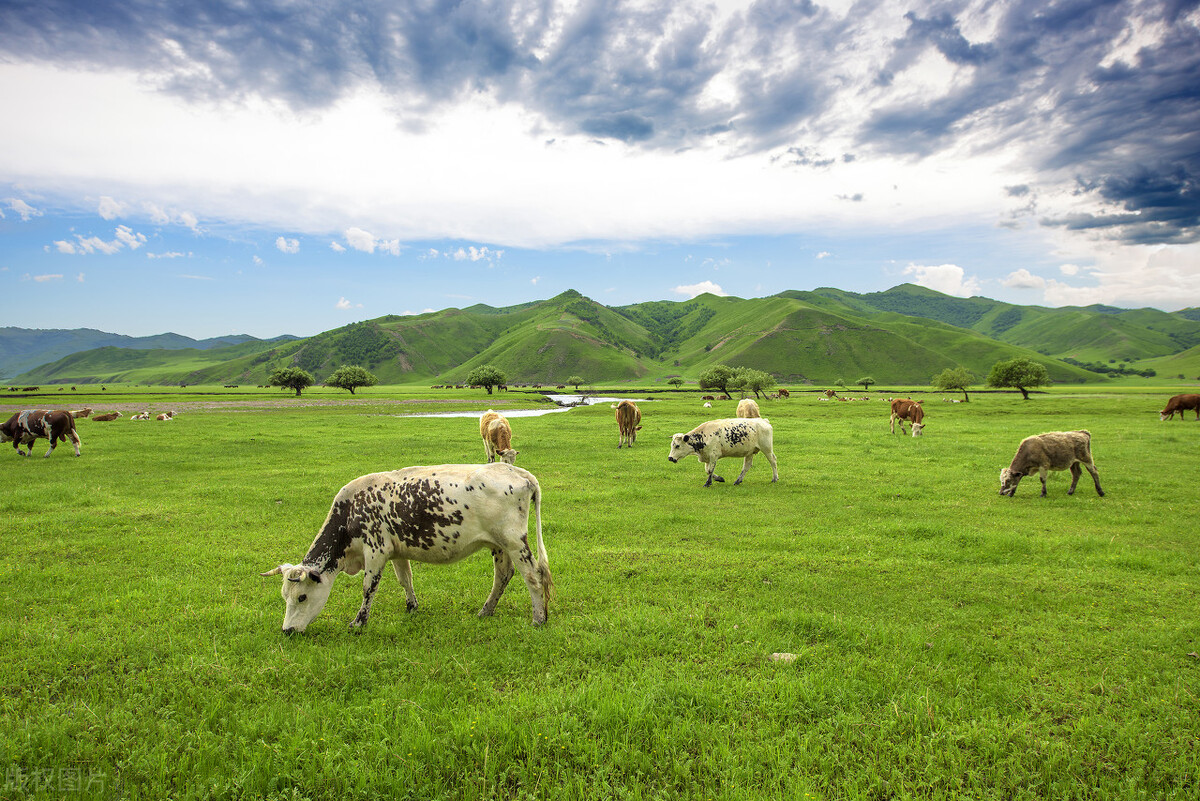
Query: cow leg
75,441
503,572
1096,478
533,580
893,421
1042,476
711,475
749,460
1076,472
372,573
774,466
403,572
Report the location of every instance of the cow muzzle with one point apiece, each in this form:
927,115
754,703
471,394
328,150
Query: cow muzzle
289,631
672,459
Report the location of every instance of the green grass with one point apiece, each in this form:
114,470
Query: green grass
948,642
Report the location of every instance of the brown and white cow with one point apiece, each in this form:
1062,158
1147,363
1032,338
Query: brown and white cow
629,418
81,412
24,427
1180,403
106,417
497,437
435,514
910,410
732,437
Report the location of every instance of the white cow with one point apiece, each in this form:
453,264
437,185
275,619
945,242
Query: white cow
429,514
732,437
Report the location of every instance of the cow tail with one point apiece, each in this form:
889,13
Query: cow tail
543,559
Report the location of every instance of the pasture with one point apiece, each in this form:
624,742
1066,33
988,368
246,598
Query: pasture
947,642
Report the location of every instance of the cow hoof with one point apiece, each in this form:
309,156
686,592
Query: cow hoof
719,479
736,482
485,612
410,607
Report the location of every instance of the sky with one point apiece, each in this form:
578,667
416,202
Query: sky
268,167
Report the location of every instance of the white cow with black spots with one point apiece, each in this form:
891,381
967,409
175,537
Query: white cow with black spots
732,437
428,514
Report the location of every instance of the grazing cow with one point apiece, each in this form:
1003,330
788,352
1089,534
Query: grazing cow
748,407
106,417
783,393
81,412
904,409
497,437
1180,403
629,418
428,514
719,438
709,397
24,427
1056,450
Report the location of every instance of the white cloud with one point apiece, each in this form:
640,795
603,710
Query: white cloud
127,237
359,239
473,253
949,279
337,248
173,254
824,254
692,290
258,262
345,304
22,208
41,279
535,279
64,246
288,245
110,209
79,278
197,277
1069,269
1023,279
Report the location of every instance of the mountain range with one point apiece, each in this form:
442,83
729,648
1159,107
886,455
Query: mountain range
903,335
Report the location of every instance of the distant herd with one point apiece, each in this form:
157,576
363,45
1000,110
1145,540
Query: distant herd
444,513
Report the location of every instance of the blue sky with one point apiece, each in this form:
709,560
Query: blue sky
271,167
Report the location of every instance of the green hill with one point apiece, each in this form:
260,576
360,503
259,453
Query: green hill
902,336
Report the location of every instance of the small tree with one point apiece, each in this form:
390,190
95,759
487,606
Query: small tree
756,381
954,379
291,378
351,377
866,382
676,382
487,377
1021,373
841,382
717,377
575,381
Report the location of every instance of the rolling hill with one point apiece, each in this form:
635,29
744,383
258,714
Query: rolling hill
904,335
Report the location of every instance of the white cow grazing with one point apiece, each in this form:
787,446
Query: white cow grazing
733,437
748,407
429,514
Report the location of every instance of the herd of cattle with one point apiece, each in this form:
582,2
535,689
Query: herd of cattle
444,513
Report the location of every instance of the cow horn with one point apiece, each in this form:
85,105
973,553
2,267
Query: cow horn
275,571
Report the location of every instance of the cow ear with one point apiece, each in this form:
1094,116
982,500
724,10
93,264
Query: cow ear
315,576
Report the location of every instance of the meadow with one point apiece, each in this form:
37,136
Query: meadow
947,642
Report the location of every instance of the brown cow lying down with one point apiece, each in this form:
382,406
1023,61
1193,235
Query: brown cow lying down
26,426
1056,450
106,417
1180,403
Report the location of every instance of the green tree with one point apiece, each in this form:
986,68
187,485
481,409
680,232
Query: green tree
1020,373
718,377
675,382
575,381
486,376
841,382
351,377
756,381
292,378
954,379
866,382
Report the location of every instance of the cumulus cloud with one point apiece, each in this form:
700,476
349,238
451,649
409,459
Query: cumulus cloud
22,208
1023,279
337,248
949,279
126,237
692,290
288,245
345,304
110,209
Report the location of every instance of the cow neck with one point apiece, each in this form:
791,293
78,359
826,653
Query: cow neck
328,551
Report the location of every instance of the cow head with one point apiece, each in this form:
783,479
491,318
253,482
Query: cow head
304,591
683,445
508,456
916,429
1009,479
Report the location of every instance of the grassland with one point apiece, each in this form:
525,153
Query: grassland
948,642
